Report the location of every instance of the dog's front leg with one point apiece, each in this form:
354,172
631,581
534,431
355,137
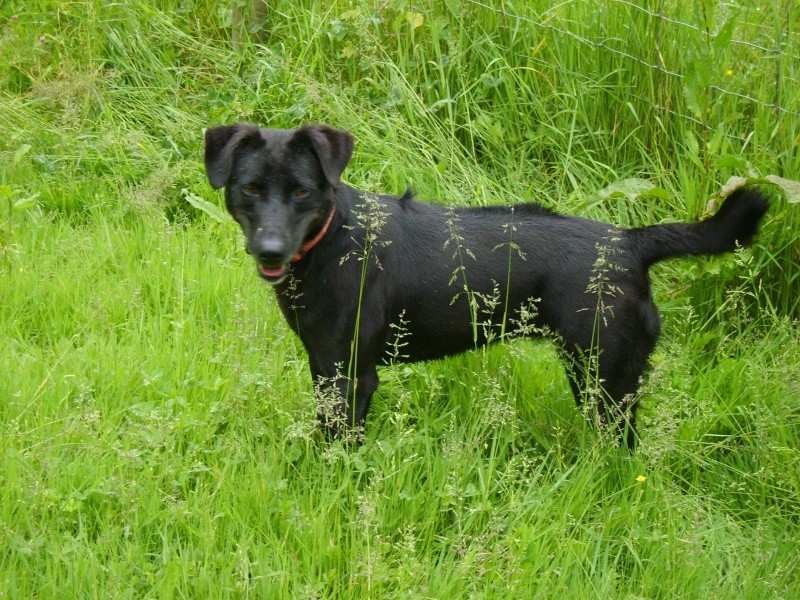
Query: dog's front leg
343,402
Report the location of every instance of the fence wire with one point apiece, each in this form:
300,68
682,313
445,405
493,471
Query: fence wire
781,52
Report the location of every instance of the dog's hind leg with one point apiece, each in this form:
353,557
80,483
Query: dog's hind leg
605,384
620,386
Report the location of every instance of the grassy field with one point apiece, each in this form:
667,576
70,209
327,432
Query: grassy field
157,419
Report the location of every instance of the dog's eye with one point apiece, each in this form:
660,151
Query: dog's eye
250,190
301,193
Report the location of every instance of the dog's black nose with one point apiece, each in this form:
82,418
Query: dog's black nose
268,251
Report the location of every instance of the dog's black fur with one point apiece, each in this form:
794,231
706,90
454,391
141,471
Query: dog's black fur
453,277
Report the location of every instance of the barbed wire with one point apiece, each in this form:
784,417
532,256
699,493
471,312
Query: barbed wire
633,95
663,17
662,69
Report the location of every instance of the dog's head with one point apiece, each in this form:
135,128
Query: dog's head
279,185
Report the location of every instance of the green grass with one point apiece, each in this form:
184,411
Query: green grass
157,415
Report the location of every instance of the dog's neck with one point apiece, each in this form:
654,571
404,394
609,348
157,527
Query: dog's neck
319,235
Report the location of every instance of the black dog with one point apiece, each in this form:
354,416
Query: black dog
365,278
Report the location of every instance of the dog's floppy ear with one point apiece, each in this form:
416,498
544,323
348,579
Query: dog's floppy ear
221,144
332,147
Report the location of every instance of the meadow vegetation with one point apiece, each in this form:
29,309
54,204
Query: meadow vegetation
157,420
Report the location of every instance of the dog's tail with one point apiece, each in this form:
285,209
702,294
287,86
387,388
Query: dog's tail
734,224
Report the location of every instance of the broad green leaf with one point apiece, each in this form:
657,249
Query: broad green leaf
723,38
212,210
716,140
632,189
691,99
21,151
692,144
656,192
415,19
790,187
732,184
22,203
732,162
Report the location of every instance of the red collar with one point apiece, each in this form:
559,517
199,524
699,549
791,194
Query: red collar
316,239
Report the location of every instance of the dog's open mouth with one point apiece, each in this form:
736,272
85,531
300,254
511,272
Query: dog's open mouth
273,274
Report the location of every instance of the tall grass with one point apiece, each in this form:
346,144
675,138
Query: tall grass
157,415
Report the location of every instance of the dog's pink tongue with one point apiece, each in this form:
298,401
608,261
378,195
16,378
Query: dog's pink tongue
272,271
